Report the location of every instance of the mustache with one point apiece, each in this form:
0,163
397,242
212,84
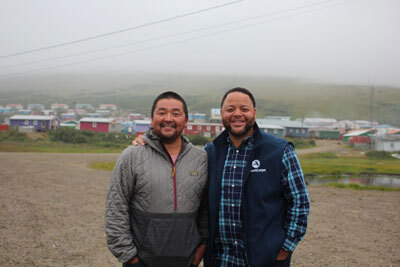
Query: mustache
169,124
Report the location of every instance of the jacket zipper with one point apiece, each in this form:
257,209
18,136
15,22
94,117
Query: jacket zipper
174,178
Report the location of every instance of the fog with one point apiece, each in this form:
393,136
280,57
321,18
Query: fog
326,41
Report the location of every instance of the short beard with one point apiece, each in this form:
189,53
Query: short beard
247,128
169,140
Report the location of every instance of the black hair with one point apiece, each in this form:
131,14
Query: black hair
170,95
240,90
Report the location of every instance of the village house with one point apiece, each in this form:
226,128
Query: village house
324,133
141,126
39,123
14,107
105,125
275,130
292,128
62,107
108,107
389,142
203,128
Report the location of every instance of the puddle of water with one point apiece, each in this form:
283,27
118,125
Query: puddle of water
379,180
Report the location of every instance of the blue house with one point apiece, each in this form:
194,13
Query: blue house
40,123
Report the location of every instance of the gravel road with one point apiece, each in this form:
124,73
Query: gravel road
52,214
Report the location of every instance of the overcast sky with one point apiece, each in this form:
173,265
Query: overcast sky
353,41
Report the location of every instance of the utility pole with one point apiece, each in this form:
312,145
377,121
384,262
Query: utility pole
372,106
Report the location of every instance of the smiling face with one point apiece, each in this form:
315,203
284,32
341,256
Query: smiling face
168,120
238,115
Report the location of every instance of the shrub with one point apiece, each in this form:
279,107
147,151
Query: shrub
379,155
198,140
13,135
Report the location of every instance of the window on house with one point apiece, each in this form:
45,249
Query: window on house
189,127
198,127
275,131
35,122
208,128
94,124
217,128
304,131
297,130
26,122
290,130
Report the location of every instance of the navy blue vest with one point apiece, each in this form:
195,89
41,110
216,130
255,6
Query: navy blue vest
263,202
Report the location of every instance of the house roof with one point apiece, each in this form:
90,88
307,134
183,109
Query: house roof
32,117
283,123
270,126
104,120
358,132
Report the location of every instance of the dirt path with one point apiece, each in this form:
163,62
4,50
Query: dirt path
52,214
337,147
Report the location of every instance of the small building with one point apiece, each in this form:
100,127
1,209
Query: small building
359,136
36,107
389,143
203,128
108,107
70,124
135,116
68,116
104,125
295,128
141,126
199,117
14,107
24,112
40,123
92,115
215,115
324,133
5,109
275,130
59,107
104,113
3,127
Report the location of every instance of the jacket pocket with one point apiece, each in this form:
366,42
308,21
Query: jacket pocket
173,237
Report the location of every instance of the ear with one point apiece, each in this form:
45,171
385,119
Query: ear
186,121
255,113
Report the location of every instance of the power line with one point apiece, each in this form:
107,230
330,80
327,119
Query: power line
174,42
173,35
121,31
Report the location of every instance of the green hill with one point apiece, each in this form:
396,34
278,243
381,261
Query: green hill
274,96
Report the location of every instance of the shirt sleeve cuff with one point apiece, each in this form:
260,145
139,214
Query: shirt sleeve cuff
290,244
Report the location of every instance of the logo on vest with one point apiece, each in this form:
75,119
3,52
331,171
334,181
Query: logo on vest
256,165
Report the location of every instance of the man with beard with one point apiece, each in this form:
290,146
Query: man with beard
258,201
156,211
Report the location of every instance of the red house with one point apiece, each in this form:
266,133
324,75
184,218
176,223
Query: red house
96,124
203,128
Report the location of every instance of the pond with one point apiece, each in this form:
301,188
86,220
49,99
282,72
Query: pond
378,180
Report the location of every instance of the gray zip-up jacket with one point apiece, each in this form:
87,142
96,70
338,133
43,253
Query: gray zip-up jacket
157,210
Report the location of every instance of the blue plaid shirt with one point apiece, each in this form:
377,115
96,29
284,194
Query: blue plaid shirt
229,249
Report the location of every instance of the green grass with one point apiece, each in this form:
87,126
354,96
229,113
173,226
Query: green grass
106,166
55,147
326,164
362,187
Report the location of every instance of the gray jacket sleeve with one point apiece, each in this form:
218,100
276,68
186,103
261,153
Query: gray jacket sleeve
117,219
202,219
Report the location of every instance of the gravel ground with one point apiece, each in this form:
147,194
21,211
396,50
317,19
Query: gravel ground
52,214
